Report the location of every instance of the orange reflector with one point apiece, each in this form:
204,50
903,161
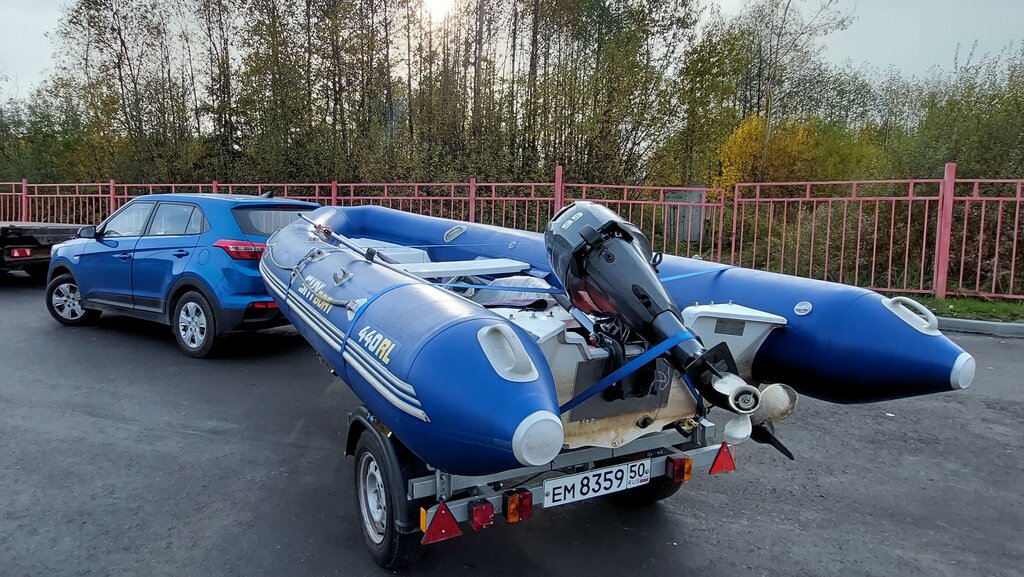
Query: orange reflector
442,526
723,461
517,505
679,469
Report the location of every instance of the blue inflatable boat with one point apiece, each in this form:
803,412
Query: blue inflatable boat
485,349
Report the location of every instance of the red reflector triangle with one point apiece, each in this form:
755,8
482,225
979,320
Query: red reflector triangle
442,526
723,461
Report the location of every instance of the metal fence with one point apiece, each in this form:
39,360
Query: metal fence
940,236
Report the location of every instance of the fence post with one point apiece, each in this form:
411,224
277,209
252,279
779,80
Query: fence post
24,200
111,197
945,229
559,191
735,215
472,199
334,193
215,187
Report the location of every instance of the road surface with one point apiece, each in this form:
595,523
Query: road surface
120,456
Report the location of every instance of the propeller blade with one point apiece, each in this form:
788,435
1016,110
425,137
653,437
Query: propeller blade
777,402
738,429
764,433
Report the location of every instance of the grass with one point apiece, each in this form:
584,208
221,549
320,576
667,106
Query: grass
963,308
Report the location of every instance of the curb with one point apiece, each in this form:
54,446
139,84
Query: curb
993,328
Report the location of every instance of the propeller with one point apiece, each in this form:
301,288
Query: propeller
755,419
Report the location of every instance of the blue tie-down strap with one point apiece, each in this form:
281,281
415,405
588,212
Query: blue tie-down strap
626,369
362,307
555,291
692,274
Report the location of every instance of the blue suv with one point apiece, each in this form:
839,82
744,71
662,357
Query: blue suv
186,260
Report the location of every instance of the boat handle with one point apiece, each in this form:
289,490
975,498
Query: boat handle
918,309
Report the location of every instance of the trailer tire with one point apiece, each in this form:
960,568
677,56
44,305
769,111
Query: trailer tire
378,488
658,489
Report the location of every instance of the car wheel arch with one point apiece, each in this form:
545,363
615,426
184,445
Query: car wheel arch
183,286
59,270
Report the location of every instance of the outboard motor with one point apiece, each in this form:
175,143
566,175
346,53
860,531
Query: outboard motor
609,271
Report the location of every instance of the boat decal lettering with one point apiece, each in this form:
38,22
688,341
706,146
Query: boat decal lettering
569,222
379,344
392,388
313,289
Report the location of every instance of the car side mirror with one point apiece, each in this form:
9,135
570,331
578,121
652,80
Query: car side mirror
87,232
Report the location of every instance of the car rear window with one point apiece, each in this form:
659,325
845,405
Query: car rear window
266,220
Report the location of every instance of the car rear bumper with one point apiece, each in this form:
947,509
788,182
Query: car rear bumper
245,319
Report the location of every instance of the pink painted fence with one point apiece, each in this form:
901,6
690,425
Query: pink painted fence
941,236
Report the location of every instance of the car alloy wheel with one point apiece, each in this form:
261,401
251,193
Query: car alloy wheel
67,301
192,325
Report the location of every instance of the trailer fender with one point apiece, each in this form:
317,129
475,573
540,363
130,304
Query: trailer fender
400,470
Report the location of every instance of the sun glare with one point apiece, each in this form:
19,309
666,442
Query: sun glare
438,9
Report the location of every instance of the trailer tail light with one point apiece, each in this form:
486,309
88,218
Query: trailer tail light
517,505
679,469
481,514
242,249
20,252
723,461
443,526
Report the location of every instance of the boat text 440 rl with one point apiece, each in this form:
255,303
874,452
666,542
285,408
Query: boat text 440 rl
484,355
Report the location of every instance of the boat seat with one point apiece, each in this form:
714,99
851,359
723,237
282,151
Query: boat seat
482,266
523,298
397,252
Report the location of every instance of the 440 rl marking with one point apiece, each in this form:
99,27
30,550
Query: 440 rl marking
379,345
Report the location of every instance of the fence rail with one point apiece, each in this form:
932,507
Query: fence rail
935,236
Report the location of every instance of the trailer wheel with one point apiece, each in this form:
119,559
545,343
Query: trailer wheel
64,302
658,489
378,490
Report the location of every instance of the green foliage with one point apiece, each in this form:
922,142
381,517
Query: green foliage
619,91
992,310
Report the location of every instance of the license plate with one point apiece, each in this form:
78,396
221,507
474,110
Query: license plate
572,488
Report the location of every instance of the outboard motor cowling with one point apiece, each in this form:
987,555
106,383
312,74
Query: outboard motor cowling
607,268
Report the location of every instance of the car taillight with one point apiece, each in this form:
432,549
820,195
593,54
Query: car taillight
242,249
263,305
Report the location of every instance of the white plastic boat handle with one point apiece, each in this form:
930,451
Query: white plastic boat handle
917,311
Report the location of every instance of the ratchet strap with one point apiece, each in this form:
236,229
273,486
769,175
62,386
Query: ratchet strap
627,369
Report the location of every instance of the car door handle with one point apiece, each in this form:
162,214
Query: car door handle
124,256
180,253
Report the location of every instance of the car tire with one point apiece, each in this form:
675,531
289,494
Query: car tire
64,302
377,502
194,325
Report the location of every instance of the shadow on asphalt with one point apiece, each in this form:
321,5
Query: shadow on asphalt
20,279
241,345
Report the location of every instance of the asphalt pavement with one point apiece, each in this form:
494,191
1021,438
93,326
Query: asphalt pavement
121,456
